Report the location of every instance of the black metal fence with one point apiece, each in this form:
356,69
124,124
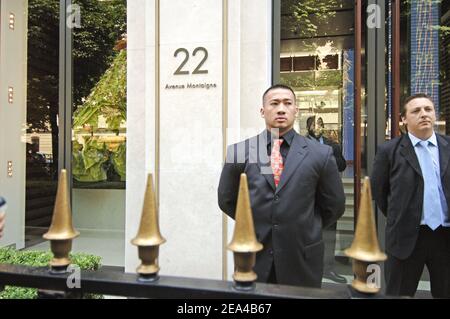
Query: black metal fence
112,282
59,280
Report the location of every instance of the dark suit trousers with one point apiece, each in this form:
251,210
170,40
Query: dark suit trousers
329,237
433,250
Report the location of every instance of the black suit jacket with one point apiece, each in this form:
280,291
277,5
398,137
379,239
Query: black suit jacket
289,218
337,152
397,188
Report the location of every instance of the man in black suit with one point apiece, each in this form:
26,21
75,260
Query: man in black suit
411,186
295,191
315,132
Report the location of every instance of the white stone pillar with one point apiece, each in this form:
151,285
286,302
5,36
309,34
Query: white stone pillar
175,128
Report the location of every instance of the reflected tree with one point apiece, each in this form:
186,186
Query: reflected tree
302,17
102,23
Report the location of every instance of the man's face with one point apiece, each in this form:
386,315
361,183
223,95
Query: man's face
420,117
319,128
319,122
279,110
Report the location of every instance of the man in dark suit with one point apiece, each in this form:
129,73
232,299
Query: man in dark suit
295,191
411,186
315,132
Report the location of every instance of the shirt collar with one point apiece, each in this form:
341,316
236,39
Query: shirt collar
287,137
414,140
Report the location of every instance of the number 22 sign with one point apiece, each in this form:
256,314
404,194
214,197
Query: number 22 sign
198,69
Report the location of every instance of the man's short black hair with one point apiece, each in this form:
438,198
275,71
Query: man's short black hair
310,121
413,97
278,86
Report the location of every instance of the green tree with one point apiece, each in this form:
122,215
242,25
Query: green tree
107,98
102,23
302,17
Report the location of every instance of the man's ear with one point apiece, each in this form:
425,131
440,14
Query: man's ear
261,111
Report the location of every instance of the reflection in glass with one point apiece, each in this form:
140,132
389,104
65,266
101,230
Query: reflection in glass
425,61
317,61
42,117
99,129
99,95
424,64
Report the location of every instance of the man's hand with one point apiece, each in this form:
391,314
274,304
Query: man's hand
2,223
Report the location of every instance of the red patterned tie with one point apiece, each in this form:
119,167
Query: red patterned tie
276,160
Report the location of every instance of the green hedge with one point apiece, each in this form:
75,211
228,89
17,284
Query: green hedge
40,259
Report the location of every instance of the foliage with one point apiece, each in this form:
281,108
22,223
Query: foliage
88,163
303,16
43,63
41,259
99,160
102,23
313,79
328,78
445,30
107,98
118,160
78,168
93,161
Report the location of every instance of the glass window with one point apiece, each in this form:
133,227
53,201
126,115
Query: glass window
425,56
444,68
99,124
42,142
424,66
317,59
99,128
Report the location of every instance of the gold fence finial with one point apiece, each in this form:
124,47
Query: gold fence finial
244,244
149,237
365,249
61,231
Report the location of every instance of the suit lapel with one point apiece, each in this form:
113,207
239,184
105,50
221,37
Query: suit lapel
407,151
297,152
258,149
444,154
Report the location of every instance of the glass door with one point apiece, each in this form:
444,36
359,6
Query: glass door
321,50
